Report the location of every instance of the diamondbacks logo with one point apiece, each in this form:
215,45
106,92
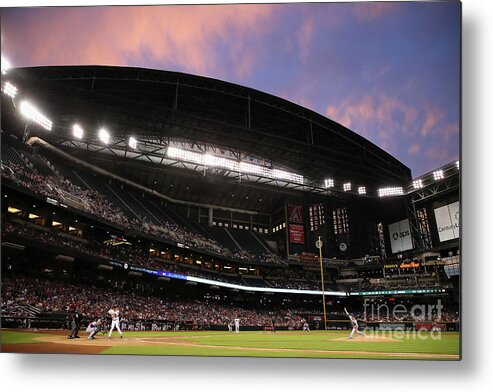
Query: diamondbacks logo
295,213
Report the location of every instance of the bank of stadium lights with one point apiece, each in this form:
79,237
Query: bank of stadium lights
347,187
9,89
104,136
233,165
394,191
132,142
362,190
284,175
418,184
213,161
5,65
438,175
329,183
33,114
457,165
250,168
77,131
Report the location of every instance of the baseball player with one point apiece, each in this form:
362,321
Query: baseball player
93,328
354,324
306,327
237,325
115,321
435,329
230,326
273,321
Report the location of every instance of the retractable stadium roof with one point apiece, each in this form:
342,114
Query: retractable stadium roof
162,108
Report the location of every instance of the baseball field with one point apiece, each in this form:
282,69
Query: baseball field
282,344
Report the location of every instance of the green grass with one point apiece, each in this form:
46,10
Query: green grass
319,340
226,344
18,337
326,341
204,351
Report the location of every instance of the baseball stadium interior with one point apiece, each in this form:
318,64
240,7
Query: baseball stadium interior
188,202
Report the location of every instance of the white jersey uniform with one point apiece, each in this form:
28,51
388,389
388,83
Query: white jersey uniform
237,325
354,324
115,321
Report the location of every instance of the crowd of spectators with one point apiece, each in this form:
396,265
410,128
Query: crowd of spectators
139,256
133,255
93,202
59,188
294,279
402,316
94,302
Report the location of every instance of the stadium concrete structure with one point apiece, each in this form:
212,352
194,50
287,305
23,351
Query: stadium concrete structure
203,190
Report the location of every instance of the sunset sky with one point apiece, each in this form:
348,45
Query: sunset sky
388,71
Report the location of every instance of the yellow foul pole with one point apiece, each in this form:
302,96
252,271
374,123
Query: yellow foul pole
319,246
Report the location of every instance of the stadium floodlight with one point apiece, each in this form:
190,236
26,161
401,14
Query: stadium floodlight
284,175
211,160
189,156
78,131
329,183
245,167
457,164
5,65
438,175
418,184
393,191
33,114
232,165
362,190
132,142
347,187
9,89
104,136
173,152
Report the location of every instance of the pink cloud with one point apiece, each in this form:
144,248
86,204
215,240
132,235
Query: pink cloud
414,149
305,35
394,124
184,36
449,130
440,154
433,117
384,119
370,11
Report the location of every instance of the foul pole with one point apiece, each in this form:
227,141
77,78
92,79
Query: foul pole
319,245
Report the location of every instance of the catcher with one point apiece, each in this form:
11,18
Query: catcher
93,328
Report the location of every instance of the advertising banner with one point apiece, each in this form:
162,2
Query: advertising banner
448,220
429,327
400,236
295,213
391,326
296,234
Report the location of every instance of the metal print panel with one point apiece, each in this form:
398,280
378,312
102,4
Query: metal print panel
225,180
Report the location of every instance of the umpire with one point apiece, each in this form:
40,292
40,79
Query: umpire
74,324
